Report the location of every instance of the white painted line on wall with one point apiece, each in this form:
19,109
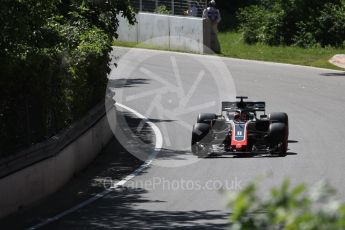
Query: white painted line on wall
158,146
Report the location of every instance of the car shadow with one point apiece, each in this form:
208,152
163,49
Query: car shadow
335,74
250,156
240,156
292,141
127,83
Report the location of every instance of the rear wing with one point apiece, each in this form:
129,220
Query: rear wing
230,106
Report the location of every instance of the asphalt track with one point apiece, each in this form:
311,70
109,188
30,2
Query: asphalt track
178,190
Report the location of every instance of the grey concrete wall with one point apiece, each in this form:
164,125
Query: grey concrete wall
127,33
39,180
153,27
186,34
173,32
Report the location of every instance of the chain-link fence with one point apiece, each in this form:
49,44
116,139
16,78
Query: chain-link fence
174,7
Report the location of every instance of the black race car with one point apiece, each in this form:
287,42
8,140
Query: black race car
243,128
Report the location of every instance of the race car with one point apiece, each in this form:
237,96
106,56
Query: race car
242,128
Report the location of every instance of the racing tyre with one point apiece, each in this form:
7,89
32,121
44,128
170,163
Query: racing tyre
206,118
280,118
200,134
278,137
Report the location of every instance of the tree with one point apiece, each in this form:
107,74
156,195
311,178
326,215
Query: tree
294,22
53,64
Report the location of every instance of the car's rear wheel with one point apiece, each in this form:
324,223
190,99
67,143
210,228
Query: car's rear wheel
280,118
278,138
206,118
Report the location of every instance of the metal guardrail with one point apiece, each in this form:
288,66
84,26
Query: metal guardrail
55,144
175,7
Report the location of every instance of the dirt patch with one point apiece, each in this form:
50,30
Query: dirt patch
338,60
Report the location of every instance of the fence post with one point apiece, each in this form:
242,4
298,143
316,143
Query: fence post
172,7
156,3
140,5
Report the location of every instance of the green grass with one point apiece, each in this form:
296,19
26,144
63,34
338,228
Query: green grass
134,44
145,46
232,45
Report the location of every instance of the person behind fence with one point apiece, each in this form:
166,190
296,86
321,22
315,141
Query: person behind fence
211,13
193,10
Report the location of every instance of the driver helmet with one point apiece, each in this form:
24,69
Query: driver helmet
237,116
244,116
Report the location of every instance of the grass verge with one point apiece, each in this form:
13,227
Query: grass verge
232,45
145,46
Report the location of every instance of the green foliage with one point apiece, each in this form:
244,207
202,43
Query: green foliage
331,25
253,21
228,11
162,9
287,208
304,23
53,64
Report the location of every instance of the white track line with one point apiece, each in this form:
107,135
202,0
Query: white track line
158,146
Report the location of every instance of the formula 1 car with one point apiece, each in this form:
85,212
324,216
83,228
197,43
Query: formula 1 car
243,128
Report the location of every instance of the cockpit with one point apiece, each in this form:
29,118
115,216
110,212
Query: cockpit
240,116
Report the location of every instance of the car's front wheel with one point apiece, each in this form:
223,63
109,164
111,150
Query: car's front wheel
200,135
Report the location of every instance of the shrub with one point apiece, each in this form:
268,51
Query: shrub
53,69
331,25
287,208
253,21
162,9
299,22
